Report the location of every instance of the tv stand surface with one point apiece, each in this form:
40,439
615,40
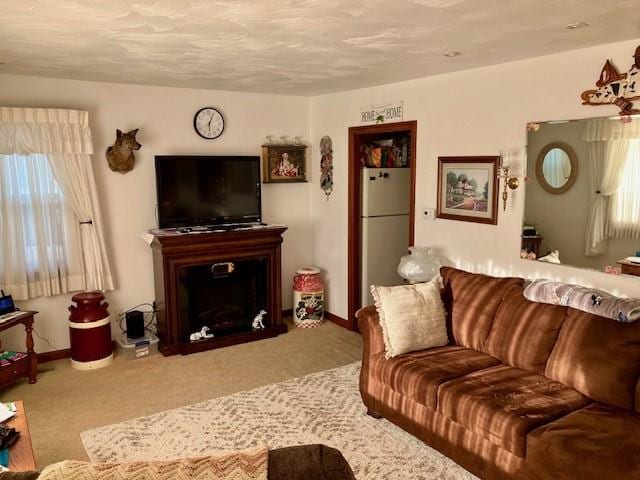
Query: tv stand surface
229,227
173,251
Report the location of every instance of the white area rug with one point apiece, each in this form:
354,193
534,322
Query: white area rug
324,407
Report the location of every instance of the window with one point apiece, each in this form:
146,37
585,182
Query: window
39,236
624,216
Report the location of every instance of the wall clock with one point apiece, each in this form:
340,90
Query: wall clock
208,123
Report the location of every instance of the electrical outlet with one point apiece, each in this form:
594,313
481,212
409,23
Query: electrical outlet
429,214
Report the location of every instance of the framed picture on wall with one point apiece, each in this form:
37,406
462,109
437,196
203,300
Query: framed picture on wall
284,163
468,189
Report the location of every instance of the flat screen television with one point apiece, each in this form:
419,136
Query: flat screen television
207,190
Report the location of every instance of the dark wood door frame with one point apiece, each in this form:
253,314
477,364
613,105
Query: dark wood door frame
353,256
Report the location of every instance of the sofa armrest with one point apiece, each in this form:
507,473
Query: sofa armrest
369,325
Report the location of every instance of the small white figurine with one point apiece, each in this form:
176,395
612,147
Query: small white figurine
201,335
258,324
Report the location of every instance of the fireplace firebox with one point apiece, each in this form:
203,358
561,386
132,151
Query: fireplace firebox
218,280
223,296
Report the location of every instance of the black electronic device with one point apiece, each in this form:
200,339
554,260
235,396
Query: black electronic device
134,321
6,303
207,190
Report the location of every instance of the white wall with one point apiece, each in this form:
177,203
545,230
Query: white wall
474,112
164,117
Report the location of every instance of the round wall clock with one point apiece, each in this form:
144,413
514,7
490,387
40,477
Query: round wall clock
208,123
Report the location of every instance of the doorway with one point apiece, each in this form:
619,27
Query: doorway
360,140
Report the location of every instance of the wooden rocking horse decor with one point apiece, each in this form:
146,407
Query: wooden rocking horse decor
615,88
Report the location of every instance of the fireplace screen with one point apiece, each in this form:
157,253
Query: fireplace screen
223,296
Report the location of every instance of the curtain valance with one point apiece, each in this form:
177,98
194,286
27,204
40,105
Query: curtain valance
25,131
606,129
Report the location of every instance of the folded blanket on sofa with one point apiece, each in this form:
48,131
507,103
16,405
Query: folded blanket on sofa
586,299
301,462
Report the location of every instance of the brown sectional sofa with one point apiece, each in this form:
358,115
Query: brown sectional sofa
524,390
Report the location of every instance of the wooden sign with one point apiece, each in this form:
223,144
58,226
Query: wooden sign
384,113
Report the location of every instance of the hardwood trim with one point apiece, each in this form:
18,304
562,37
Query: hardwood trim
54,355
353,226
337,320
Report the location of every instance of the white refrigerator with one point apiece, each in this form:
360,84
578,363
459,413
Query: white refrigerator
384,227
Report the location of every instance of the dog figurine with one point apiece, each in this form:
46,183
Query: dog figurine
258,323
120,155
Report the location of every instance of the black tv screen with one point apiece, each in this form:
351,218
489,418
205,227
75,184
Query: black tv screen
212,190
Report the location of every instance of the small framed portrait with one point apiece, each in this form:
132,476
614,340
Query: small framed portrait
468,189
284,163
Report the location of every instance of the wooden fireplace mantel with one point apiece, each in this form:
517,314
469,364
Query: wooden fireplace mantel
174,251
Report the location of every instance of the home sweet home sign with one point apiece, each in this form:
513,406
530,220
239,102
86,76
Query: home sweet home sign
383,113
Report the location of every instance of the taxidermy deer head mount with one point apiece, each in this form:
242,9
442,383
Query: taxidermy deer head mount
120,155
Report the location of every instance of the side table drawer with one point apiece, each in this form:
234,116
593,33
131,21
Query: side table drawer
10,373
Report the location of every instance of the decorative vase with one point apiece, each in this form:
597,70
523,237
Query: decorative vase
90,332
419,266
308,298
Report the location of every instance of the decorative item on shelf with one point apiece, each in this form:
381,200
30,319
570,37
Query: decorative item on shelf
308,298
419,266
551,257
615,88
284,163
326,165
468,189
258,320
533,127
612,270
90,332
510,180
120,156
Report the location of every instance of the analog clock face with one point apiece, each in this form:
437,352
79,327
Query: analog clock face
208,123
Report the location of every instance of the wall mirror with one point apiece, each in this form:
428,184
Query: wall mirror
557,167
582,204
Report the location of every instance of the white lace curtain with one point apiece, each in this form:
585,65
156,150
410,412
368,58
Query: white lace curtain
63,138
608,147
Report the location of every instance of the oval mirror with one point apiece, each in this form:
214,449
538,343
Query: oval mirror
557,167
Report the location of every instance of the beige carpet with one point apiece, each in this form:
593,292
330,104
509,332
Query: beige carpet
323,407
66,402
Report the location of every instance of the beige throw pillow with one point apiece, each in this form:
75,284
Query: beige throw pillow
412,317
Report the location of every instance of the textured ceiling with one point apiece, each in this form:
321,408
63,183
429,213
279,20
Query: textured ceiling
302,47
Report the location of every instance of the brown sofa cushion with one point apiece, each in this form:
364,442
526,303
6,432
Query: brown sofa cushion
584,444
599,357
502,404
419,374
523,332
472,301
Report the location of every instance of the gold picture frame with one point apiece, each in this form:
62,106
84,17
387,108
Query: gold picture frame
284,163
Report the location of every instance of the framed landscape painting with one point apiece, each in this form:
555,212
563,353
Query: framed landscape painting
468,189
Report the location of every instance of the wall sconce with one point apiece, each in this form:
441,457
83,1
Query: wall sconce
510,180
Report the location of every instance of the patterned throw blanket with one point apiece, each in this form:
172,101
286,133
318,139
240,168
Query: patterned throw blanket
248,464
582,298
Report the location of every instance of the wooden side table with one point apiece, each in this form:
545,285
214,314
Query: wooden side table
629,268
21,457
27,366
